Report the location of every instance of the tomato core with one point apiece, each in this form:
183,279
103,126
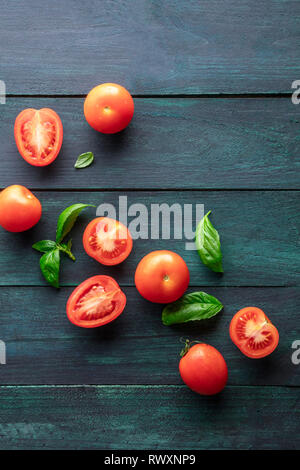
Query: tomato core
95,303
38,137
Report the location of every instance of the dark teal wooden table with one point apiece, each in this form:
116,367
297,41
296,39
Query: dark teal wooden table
214,125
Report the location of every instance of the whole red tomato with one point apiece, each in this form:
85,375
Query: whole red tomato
162,276
108,108
19,209
203,369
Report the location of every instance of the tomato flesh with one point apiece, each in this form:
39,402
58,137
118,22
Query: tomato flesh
96,302
253,333
38,135
107,240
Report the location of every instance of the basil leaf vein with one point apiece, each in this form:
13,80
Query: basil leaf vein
208,244
191,307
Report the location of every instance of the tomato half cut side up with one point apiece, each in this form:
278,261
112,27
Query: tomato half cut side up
95,302
38,135
253,333
107,240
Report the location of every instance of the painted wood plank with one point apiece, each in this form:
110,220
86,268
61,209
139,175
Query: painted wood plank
150,46
171,143
148,417
43,347
259,233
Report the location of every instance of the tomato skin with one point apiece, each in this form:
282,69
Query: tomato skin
48,126
162,276
253,333
203,369
76,310
93,246
19,209
108,108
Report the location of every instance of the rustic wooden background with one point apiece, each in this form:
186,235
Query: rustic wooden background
214,124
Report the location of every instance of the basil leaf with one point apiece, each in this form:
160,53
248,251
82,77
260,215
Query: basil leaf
49,264
208,244
67,219
84,160
191,307
44,245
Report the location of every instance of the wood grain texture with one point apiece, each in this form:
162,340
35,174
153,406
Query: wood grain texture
150,46
220,152
43,347
148,417
171,143
259,234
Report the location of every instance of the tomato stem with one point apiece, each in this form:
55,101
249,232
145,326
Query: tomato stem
187,345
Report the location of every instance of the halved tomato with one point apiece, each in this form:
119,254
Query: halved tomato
38,135
253,333
107,240
95,302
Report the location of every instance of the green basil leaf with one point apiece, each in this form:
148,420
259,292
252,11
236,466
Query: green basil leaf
67,219
44,245
191,307
49,264
84,160
208,244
